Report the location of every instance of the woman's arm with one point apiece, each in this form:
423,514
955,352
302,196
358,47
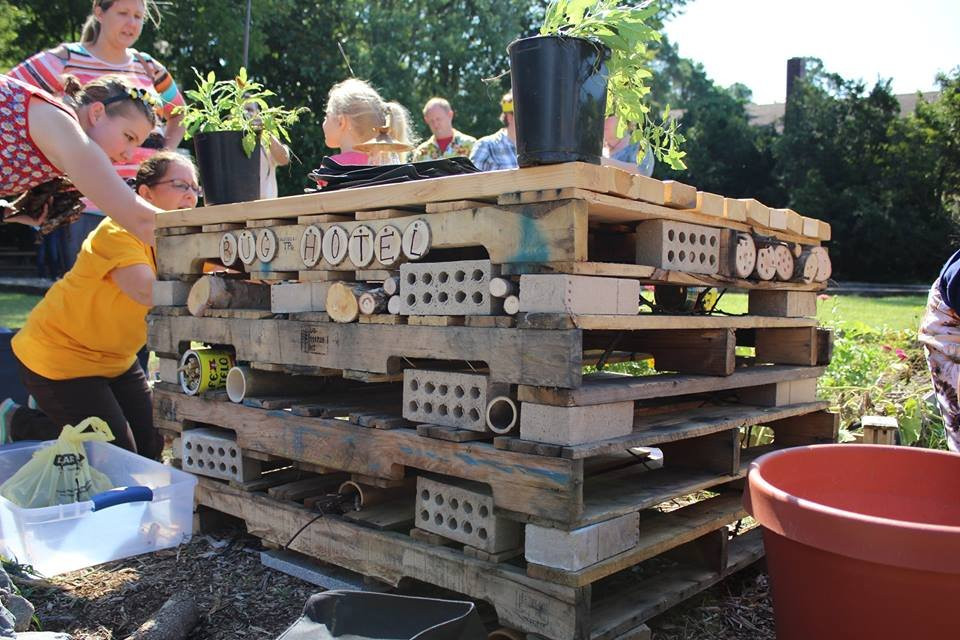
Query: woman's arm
136,281
173,131
280,152
65,144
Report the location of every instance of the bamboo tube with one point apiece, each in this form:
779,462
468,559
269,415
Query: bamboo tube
243,382
210,292
374,301
502,415
366,496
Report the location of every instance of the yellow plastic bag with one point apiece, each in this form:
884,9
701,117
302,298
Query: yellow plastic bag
60,473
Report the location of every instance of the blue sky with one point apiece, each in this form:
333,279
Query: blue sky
749,41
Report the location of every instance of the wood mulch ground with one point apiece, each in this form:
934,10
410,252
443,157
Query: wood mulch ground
239,598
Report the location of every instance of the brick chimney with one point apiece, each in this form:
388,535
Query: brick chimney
796,69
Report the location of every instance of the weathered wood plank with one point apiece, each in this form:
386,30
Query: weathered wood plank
521,602
622,611
612,387
652,431
477,186
655,321
549,232
550,358
548,486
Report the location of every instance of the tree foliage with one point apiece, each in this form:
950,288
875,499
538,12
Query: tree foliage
890,185
846,155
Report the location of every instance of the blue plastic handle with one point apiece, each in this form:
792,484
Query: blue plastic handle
114,497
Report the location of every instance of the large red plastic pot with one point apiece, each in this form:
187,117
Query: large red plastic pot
862,541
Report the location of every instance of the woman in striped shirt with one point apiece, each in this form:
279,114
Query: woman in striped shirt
106,48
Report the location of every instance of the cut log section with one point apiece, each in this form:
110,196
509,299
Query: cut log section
808,264
738,254
393,305
824,266
511,305
766,268
392,286
785,262
374,301
343,300
210,292
502,287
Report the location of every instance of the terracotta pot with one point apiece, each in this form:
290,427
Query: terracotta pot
862,541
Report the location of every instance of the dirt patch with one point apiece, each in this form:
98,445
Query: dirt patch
239,598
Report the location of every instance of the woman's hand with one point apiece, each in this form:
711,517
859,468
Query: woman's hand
10,214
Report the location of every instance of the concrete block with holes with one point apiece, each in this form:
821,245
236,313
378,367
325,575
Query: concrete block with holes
294,297
580,548
560,293
447,289
214,453
450,399
575,425
678,246
463,511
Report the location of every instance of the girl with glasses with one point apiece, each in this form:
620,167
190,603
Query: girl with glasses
77,350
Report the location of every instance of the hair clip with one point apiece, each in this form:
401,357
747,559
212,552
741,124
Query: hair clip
134,93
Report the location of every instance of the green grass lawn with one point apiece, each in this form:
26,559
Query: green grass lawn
14,308
893,313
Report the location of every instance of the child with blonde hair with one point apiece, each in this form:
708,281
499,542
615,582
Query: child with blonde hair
355,112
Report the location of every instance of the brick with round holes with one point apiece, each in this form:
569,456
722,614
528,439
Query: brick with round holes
214,453
463,511
678,246
447,289
448,398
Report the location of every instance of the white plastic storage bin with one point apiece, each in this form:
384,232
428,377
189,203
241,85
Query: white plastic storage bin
125,523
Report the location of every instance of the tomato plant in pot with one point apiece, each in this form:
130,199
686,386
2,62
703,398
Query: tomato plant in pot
589,61
229,121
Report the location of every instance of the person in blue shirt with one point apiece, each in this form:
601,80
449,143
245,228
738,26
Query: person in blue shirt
498,150
940,336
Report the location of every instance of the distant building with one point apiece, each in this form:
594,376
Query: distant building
764,114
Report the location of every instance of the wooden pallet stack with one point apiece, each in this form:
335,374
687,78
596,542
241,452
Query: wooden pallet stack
435,335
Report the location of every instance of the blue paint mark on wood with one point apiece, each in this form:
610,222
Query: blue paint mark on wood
532,246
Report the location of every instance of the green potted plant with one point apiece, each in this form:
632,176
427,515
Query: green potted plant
589,61
229,120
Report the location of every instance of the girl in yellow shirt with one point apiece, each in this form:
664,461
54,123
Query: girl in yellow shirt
78,348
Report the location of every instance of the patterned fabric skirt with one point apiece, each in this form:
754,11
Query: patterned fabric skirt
940,336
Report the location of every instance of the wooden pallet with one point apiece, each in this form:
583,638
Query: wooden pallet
544,350
482,187
569,490
603,608
532,227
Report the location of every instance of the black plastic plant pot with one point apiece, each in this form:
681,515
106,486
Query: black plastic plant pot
559,99
226,173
